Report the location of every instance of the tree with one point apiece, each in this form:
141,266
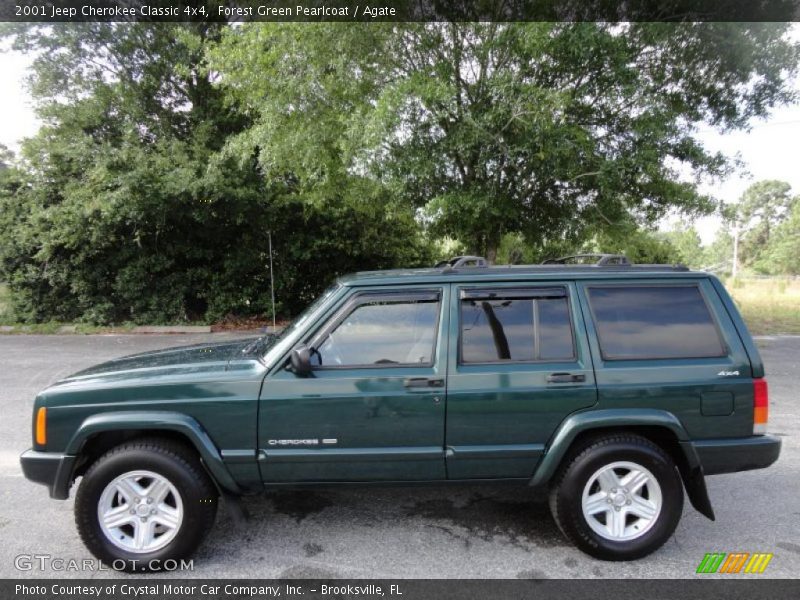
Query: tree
119,192
5,158
717,256
638,244
169,151
550,130
687,245
783,253
130,212
762,208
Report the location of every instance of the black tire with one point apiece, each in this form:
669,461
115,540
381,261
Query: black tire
171,460
568,487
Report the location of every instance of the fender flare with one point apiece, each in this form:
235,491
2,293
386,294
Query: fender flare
159,421
690,469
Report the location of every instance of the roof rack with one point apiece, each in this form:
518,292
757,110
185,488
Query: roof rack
573,262
461,261
600,260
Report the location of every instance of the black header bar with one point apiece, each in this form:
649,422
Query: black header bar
53,11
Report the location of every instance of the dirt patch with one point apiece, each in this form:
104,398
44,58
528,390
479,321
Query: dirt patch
312,549
487,518
299,504
234,323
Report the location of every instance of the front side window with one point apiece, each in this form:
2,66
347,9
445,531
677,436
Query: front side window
651,322
515,325
383,330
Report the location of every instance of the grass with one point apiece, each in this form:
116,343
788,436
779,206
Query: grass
55,327
768,306
7,318
3,301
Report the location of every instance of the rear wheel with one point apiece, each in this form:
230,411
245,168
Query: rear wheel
143,503
619,498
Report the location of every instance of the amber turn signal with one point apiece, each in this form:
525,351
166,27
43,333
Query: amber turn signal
41,426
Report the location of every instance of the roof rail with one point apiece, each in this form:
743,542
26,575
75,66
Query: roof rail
602,260
461,261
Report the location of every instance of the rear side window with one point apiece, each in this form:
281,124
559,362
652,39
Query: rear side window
515,325
651,322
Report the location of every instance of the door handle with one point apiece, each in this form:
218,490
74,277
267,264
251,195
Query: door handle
422,382
565,378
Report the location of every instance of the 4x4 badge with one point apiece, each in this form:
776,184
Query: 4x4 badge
728,374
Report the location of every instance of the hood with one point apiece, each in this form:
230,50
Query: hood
185,359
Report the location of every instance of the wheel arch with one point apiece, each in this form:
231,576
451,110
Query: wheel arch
659,426
101,432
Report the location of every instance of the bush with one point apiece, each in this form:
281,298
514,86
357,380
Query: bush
157,253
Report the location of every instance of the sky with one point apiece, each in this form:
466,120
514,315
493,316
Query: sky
769,149
18,120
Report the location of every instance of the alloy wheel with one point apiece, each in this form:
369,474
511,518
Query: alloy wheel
140,511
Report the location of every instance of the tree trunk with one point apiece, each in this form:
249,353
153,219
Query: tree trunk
491,252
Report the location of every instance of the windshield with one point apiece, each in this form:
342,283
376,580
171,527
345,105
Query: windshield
260,345
303,316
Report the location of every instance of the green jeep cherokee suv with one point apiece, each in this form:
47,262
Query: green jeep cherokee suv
615,387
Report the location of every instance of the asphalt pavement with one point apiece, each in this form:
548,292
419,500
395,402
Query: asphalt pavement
410,532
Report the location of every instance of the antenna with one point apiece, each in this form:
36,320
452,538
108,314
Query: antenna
271,280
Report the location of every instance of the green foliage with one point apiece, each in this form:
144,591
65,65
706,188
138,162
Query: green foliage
766,217
169,152
763,207
553,131
782,256
513,250
5,159
639,245
718,255
5,299
688,246
129,213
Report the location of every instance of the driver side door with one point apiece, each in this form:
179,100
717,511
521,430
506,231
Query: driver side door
373,406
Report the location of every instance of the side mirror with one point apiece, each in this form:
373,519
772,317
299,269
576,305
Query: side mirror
300,360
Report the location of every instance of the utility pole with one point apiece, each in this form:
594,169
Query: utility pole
271,280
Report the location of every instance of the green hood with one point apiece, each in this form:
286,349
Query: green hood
172,361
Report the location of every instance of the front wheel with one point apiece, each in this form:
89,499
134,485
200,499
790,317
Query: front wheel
143,504
620,498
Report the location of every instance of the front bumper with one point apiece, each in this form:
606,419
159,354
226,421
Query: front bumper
737,454
51,469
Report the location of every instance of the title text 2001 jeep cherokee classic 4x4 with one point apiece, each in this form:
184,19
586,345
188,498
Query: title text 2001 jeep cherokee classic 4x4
616,386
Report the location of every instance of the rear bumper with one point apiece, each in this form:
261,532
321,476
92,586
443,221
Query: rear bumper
51,469
737,454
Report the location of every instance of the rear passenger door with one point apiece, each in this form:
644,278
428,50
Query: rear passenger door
670,345
518,365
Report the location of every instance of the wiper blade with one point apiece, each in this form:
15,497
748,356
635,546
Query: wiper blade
257,342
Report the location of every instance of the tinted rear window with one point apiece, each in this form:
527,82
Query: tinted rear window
641,322
506,326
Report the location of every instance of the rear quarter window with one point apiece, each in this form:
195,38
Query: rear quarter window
654,322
